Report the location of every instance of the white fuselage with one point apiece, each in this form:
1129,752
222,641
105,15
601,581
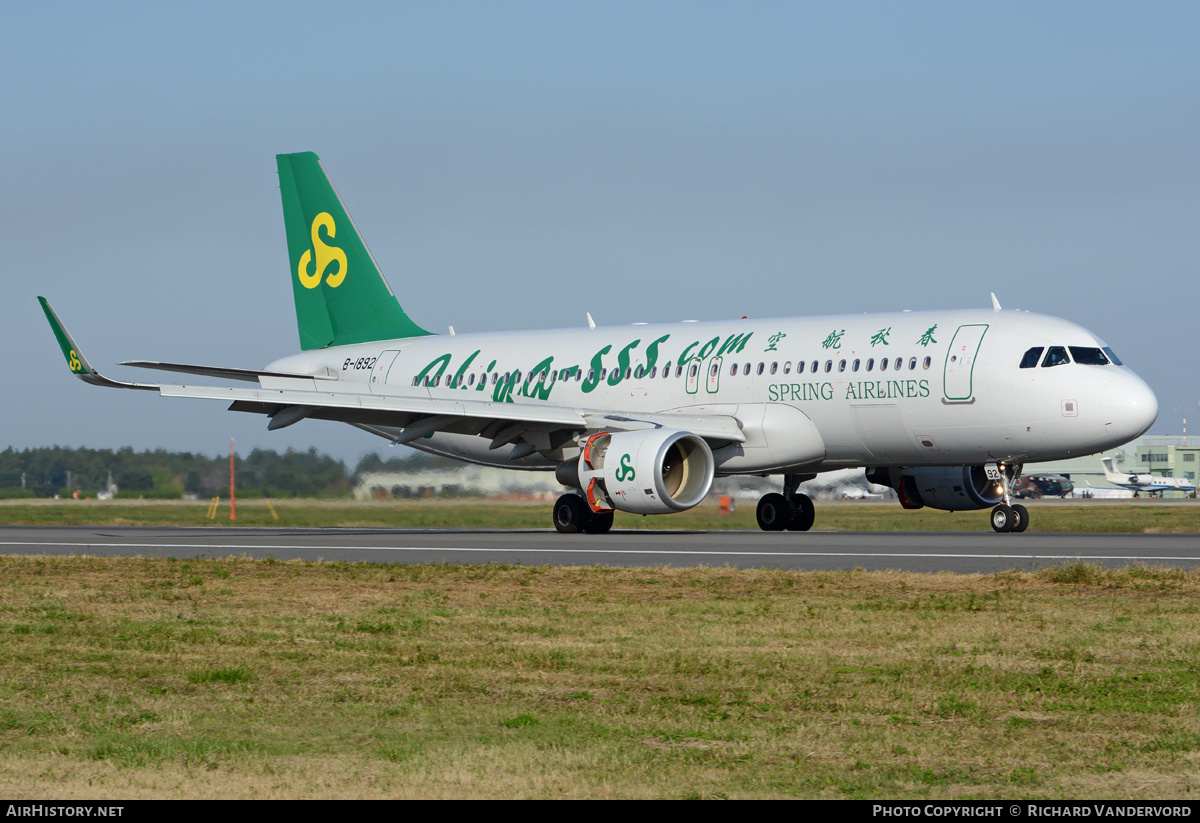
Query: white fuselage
951,393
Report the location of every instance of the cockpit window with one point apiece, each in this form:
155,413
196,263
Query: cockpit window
1030,360
1088,356
1112,356
1056,356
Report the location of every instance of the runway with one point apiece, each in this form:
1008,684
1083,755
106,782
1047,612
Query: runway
963,552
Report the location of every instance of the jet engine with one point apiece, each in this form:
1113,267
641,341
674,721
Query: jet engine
655,471
950,488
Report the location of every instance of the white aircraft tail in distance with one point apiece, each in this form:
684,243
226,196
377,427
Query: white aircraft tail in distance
944,407
1152,484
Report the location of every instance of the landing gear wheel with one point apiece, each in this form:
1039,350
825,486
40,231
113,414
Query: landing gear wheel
804,514
774,512
600,523
571,514
1022,514
1004,519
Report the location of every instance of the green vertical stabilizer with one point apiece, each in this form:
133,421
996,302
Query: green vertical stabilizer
341,297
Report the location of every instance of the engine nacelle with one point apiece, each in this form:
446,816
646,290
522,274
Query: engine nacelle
656,471
950,488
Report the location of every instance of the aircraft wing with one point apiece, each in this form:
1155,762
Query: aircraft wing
289,400
249,375
382,409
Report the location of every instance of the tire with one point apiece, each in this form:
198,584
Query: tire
600,523
804,514
1003,519
774,513
571,514
1022,514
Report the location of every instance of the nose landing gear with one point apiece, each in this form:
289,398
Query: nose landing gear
1008,516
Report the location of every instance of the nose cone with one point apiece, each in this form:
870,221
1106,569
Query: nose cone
1129,407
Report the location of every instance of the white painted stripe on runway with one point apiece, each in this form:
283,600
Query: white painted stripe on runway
673,552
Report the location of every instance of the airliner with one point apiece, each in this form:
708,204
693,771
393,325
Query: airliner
1149,483
943,406
1036,486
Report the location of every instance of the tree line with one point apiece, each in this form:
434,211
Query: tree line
58,470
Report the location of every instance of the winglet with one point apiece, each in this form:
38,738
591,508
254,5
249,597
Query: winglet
995,303
76,362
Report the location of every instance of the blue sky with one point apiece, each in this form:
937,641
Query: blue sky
516,165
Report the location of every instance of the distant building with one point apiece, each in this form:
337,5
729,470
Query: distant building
1164,455
1168,456
464,481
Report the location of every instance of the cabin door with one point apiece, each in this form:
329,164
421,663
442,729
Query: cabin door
960,363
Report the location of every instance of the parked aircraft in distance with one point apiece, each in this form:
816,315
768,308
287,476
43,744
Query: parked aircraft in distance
1035,486
1152,484
943,407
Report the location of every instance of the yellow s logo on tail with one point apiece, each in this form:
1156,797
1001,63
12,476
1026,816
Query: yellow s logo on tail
325,256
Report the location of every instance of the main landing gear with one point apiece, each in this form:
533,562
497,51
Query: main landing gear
790,510
573,515
1009,516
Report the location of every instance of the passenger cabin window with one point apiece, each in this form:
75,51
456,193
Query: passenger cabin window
1088,356
733,370
912,364
774,367
761,366
828,366
856,364
799,367
841,365
927,363
883,364
870,364
1031,357
1055,356
787,367
898,364
813,367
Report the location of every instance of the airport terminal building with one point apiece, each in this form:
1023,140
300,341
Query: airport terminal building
1163,455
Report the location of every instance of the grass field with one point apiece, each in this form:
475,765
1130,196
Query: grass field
126,678
1080,516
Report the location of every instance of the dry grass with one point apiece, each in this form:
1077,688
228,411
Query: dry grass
124,678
